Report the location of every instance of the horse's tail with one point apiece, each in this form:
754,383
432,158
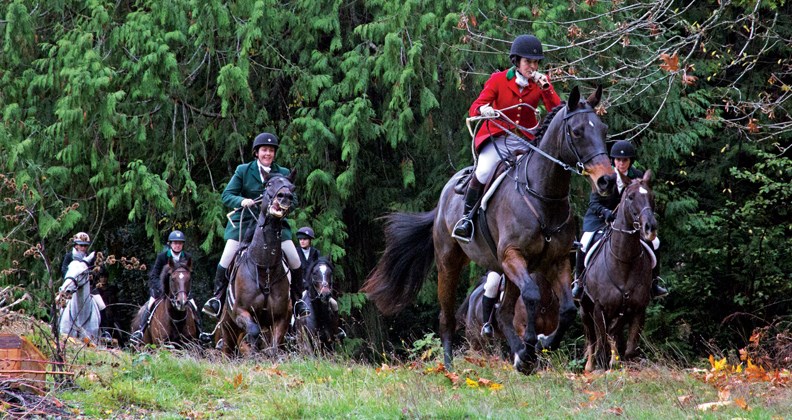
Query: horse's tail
409,253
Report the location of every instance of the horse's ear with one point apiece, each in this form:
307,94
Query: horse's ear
594,98
647,178
574,99
292,176
170,262
189,264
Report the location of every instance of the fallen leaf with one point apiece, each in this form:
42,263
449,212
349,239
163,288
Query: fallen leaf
684,399
471,383
615,410
741,403
713,405
237,380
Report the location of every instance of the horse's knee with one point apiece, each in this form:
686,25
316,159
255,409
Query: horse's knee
530,293
252,330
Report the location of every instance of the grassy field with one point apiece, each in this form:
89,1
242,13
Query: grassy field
200,385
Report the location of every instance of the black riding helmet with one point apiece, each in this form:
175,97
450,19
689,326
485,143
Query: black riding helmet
305,233
527,46
265,139
176,236
623,149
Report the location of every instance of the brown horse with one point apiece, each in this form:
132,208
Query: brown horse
173,318
470,315
319,330
258,293
528,218
618,278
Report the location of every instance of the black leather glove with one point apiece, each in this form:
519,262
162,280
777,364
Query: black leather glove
609,216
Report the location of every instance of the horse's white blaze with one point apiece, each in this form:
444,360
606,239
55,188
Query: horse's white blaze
591,123
181,276
323,270
643,190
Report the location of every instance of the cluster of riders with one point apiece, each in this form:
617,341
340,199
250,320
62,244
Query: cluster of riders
509,143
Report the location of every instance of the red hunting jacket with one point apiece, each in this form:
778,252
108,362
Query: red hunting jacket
501,91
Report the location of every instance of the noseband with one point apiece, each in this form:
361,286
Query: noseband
581,161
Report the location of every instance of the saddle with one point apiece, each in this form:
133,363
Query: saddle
464,178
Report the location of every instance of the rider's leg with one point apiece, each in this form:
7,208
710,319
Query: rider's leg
214,304
137,335
488,302
580,259
487,161
296,284
657,290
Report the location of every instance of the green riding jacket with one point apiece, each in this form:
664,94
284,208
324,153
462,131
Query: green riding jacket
246,183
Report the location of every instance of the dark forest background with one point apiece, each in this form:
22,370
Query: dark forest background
125,119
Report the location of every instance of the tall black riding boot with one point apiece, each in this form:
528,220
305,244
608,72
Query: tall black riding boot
137,336
463,230
213,305
295,287
577,286
487,305
657,290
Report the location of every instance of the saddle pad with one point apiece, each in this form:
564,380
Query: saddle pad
646,246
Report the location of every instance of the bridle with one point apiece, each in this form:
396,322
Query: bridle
173,296
325,279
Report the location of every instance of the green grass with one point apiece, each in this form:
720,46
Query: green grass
168,384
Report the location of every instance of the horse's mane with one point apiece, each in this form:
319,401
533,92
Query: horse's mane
546,122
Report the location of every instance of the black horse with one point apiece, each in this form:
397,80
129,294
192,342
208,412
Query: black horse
319,330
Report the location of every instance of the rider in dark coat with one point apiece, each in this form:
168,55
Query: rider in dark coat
601,212
175,251
308,254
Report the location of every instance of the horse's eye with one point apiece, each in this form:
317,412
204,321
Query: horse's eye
576,133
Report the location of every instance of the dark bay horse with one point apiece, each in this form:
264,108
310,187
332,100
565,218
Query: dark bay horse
173,318
529,220
258,292
319,331
618,278
470,315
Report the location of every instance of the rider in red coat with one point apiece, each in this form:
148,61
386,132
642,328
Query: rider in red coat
521,84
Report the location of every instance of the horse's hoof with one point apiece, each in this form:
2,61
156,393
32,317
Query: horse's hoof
523,364
219,345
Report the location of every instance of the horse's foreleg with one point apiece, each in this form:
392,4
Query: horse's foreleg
506,318
516,269
252,330
589,330
567,310
634,335
601,333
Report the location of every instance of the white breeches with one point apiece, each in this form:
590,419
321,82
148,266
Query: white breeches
288,248
491,285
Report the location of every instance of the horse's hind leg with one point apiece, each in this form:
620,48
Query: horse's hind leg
449,264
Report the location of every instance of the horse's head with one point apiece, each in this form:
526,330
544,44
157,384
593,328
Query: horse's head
77,275
584,134
637,207
179,283
320,275
278,196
